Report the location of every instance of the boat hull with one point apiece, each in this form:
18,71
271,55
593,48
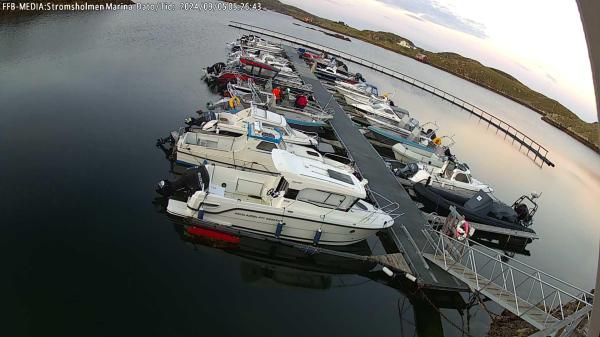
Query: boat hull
434,202
407,154
295,228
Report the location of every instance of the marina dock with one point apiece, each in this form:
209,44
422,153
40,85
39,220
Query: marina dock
406,232
535,151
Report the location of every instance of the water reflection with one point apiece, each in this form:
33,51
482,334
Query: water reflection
268,264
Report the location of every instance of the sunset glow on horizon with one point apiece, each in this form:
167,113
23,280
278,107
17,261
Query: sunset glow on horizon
540,43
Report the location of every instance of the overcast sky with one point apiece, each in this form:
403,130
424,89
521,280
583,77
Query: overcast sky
541,42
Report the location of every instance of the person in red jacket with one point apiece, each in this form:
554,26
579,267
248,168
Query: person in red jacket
301,102
277,94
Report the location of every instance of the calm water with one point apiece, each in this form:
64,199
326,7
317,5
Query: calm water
84,250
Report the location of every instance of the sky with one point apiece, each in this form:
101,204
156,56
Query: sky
540,42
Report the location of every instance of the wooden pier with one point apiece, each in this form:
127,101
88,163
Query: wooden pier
535,151
385,189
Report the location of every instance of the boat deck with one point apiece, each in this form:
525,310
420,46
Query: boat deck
406,233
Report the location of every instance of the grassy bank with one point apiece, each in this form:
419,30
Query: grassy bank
493,79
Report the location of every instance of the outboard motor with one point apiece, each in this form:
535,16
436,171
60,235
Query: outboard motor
359,77
204,116
407,171
522,212
216,68
392,103
449,154
432,133
194,179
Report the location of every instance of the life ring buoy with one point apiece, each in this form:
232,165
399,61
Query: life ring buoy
234,102
462,230
437,141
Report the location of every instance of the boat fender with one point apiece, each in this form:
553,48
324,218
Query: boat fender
462,230
410,277
234,102
204,177
317,237
279,228
437,141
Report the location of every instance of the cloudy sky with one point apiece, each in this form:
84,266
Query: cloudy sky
540,42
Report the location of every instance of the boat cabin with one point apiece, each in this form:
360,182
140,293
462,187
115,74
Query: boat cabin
316,183
250,148
236,120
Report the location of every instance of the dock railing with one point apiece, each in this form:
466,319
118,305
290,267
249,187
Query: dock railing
541,299
534,149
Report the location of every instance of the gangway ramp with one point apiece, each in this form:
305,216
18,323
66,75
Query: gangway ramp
542,300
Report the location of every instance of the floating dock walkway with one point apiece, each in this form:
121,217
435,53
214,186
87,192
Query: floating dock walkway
535,151
406,232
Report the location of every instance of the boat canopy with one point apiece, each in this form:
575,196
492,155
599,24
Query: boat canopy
302,173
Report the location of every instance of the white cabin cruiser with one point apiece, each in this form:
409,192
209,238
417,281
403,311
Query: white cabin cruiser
386,114
237,122
307,201
452,176
250,150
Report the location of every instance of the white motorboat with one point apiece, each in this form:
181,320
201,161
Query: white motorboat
249,150
432,153
451,176
237,122
381,110
279,63
252,42
362,93
307,201
332,73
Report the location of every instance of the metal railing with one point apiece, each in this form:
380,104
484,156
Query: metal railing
533,147
520,287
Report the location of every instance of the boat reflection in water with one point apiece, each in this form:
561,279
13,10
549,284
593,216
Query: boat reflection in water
266,263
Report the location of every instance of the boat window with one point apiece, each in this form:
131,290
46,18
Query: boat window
208,143
340,176
313,153
291,193
325,199
461,177
361,205
266,146
282,186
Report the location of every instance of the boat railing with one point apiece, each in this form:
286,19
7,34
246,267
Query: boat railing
389,206
519,287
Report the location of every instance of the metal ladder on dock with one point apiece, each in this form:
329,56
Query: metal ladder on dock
544,301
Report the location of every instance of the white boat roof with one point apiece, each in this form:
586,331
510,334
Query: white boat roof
302,173
268,116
